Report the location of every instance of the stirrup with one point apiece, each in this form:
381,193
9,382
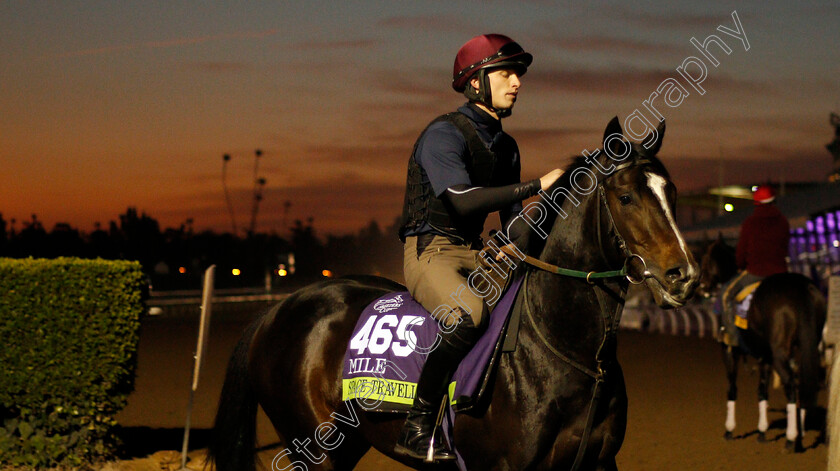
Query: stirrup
431,455
434,450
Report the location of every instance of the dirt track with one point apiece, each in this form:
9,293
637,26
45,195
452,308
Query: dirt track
676,388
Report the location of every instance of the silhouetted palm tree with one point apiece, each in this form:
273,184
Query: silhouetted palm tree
259,183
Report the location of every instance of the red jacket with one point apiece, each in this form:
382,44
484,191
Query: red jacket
763,243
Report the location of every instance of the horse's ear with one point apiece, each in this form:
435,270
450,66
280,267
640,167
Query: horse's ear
653,141
720,236
613,127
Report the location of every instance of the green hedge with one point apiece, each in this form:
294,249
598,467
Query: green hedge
69,330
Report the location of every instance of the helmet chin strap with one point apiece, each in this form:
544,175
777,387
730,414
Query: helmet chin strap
484,95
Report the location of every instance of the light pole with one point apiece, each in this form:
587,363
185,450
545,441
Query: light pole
225,160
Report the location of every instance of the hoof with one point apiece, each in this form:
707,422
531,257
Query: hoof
790,446
762,437
728,435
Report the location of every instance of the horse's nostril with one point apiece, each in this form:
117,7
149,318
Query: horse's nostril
675,274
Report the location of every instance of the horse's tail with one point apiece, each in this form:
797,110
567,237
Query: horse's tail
810,332
234,432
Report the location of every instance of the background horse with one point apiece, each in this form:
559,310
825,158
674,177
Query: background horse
785,322
557,402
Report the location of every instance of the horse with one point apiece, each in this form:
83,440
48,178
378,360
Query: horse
784,329
557,402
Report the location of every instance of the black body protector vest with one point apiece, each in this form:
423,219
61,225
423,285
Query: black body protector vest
484,169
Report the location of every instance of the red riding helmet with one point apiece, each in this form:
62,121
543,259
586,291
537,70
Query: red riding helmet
764,194
494,50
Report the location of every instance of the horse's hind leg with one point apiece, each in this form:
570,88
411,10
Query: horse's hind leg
730,359
763,386
781,364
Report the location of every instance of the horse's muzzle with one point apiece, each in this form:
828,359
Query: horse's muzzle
675,286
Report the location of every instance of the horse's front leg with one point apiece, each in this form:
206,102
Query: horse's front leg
730,359
763,386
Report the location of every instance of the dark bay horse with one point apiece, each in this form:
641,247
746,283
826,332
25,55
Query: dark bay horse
557,402
784,329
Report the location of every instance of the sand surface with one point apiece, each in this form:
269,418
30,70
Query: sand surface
676,389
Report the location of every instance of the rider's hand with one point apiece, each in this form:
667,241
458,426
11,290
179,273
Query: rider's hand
549,178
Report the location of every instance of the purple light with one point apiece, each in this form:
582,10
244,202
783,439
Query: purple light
820,225
830,221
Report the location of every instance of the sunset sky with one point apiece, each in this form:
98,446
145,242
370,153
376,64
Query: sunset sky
107,105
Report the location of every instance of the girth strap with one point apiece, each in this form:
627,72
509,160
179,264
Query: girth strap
611,323
608,341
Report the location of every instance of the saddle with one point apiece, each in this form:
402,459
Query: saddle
388,348
748,290
743,299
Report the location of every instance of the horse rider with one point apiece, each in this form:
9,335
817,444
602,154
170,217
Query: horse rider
463,167
761,251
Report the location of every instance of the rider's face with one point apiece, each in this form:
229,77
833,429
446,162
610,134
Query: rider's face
504,87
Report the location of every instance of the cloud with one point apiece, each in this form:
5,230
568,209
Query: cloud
615,45
421,83
170,43
330,45
218,67
425,23
657,20
534,134
367,156
625,80
615,81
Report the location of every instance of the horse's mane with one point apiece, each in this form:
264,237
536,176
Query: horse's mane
536,243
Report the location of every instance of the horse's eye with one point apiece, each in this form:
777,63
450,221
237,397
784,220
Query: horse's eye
625,200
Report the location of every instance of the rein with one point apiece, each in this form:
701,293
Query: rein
587,275
592,275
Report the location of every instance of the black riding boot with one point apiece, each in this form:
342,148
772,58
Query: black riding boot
416,436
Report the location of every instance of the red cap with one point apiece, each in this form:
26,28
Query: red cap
487,50
764,194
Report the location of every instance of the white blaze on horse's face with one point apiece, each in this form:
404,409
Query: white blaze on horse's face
657,185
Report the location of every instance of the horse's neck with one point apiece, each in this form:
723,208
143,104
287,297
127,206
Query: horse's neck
574,240
566,310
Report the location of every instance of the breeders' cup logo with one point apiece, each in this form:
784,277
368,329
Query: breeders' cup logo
387,305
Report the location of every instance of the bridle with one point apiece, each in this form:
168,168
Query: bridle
591,276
